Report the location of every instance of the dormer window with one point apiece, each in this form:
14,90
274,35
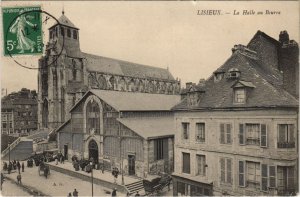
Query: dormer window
75,34
240,90
218,76
240,95
234,73
69,33
193,98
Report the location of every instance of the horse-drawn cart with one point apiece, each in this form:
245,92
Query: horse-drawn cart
155,186
45,169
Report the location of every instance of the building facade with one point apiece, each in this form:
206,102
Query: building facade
129,130
236,133
19,113
66,73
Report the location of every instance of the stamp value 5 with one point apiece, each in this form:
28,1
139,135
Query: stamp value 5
22,28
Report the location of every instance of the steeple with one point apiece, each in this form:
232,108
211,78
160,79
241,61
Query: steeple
65,33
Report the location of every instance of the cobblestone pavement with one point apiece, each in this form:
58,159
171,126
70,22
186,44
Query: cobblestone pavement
11,189
58,184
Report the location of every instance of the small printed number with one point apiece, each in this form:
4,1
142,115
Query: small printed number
10,45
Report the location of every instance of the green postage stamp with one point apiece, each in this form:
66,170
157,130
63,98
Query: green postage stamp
22,28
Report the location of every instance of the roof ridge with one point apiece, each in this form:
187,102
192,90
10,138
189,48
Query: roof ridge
125,61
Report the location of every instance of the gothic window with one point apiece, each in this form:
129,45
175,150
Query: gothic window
131,86
93,117
102,82
75,34
69,33
122,84
112,82
62,31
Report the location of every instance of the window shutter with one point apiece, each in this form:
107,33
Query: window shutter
263,135
242,173
228,133
222,133
241,134
222,165
229,177
272,176
290,178
292,133
264,177
165,149
155,150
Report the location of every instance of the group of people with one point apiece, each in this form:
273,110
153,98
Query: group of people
59,157
13,165
75,193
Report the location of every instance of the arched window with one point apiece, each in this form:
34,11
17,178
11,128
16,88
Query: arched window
92,117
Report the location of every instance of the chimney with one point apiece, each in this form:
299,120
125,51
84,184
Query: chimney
201,82
188,85
288,60
284,37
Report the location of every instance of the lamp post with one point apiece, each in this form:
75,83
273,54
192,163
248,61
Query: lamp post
92,179
121,160
8,152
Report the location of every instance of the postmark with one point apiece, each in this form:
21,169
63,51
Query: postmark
22,31
24,35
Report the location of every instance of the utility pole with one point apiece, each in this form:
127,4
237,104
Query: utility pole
92,179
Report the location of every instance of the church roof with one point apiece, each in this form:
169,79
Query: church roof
63,20
124,68
152,127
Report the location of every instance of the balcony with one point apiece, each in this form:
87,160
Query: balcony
286,144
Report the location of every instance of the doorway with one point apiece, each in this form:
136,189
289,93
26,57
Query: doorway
93,151
66,152
131,164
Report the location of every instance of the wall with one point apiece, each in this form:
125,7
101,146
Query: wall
213,150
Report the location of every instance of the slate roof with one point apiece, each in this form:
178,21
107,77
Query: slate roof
150,127
124,68
136,101
268,91
63,20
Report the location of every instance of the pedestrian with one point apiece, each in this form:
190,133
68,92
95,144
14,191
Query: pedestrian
9,167
102,168
18,166
137,193
114,192
56,160
23,166
15,164
5,166
75,192
46,171
19,179
69,195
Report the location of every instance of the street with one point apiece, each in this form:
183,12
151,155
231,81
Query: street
57,184
11,189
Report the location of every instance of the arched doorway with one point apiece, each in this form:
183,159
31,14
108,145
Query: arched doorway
93,150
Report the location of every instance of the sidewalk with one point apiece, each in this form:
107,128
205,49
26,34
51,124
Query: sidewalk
59,184
107,176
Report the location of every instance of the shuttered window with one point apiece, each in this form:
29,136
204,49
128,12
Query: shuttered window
186,163
225,133
185,130
226,170
272,176
201,164
200,132
241,134
242,173
263,135
264,177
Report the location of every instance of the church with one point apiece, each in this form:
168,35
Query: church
105,108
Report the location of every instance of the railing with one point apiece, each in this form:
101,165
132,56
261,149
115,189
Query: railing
11,146
286,144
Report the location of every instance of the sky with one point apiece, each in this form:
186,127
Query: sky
162,34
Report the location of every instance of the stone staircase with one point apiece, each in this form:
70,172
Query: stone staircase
20,149
135,187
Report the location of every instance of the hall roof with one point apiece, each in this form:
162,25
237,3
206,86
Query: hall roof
150,128
136,101
124,68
